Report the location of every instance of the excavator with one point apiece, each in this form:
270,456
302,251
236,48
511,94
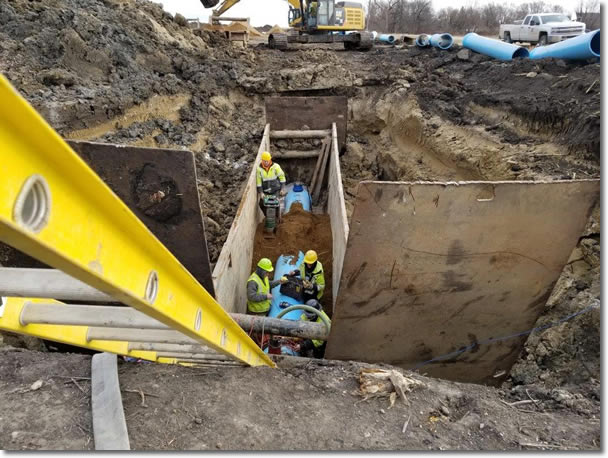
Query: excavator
320,21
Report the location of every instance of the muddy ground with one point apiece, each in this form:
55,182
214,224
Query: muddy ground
302,406
126,72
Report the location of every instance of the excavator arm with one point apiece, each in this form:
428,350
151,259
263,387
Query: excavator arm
227,4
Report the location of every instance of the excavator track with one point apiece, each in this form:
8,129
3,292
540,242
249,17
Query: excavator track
277,41
367,41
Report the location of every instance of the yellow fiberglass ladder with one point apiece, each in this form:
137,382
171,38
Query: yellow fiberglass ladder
54,208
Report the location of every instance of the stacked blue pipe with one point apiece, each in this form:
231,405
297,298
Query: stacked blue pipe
493,48
586,46
423,41
390,39
297,192
442,40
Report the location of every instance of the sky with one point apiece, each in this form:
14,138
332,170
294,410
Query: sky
262,12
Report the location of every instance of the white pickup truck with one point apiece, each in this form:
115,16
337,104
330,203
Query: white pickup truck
542,29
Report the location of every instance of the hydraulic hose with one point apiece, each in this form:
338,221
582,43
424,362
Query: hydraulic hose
307,308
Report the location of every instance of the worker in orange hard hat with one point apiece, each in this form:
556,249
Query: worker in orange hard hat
313,278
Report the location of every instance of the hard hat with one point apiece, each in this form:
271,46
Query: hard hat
266,156
310,257
265,264
312,316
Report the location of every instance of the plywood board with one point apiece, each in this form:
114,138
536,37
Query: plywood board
337,214
432,268
159,186
233,265
314,113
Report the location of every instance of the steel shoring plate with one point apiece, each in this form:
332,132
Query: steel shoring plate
431,268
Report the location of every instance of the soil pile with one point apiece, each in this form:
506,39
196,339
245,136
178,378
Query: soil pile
299,231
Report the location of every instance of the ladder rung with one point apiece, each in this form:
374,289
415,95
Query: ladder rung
70,335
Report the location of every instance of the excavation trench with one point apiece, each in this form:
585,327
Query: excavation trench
389,138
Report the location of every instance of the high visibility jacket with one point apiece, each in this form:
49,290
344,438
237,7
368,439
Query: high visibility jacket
316,278
270,181
263,288
316,343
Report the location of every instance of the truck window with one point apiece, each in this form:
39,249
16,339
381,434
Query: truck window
555,18
535,21
527,20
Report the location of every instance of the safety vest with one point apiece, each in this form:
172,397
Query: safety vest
317,343
263,288
270,181
317,277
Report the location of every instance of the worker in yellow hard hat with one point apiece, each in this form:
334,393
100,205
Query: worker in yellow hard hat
313,278
270,178
258,288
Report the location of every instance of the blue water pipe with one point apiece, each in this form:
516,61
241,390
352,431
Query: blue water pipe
442,40
297,192
386,38
423,41
284,265
586,46
493,48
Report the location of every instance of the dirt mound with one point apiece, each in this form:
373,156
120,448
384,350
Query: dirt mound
299,231
276,29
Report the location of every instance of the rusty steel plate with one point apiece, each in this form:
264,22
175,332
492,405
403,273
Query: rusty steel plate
434,268
315,112
159,186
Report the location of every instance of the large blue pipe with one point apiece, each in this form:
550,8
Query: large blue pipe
442,40
586,46
493,48
283,266
386,38
423,41
297,192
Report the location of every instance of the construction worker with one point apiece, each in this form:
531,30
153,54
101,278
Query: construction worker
259,287
270,179
312,14
313,278
317,346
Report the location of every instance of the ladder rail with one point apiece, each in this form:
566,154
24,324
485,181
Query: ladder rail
57,210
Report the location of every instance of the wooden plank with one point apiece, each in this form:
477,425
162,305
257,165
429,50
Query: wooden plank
296,155
299,133
431,268
337,214
109,425
321,175
315,172
232,267
314,113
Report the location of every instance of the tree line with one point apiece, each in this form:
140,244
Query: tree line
418,16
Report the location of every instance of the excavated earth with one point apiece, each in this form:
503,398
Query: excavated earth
126,72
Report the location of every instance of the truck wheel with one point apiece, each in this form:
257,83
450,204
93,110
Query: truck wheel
507,37
543,40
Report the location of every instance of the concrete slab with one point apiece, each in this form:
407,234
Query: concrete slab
431,268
